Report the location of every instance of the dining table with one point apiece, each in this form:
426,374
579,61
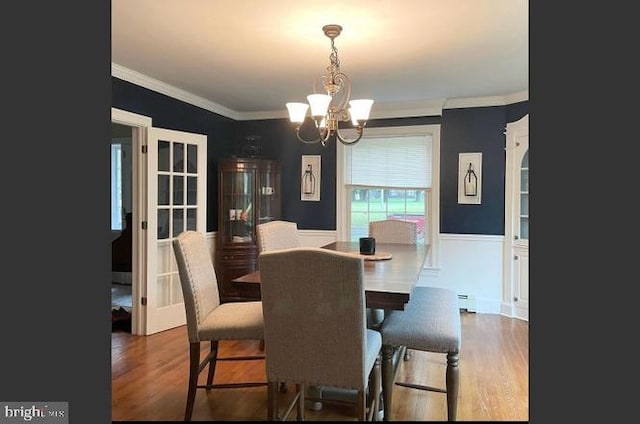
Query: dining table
390,274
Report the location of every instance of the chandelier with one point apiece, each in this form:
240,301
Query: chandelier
327,110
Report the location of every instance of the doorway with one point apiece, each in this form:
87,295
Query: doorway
121,227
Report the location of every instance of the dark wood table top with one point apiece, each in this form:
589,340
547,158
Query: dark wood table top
388,283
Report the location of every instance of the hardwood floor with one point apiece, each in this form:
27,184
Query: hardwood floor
149,378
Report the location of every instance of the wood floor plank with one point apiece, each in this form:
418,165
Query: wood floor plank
149,378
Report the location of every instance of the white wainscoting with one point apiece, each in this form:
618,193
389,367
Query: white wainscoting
316,238
470,264
308,238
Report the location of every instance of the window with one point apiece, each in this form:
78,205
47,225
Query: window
390,173
116,187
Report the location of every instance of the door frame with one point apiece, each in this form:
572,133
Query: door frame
139,127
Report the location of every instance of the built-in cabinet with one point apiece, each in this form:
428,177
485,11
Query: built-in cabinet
516,261
248,195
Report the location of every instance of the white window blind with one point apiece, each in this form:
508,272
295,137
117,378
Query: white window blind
397,161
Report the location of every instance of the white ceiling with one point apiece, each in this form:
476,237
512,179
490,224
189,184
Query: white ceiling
250,57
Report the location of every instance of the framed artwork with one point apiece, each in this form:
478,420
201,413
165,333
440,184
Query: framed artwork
310,178
469,178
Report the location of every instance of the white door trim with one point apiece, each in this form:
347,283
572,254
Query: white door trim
140,125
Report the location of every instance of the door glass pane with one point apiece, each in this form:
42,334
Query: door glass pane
178,157
163,224
192,158
191,219
178,190
163,155
178,222
163,190
192,190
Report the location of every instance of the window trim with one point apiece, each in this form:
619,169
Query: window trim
342,209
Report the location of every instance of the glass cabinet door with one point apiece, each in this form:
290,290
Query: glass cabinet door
269,195
237,206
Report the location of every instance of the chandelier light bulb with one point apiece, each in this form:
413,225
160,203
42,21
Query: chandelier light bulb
297,112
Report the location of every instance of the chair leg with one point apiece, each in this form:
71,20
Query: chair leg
407,354
375,389
301,390
212,362
272,401
194,365
452,382
362,405
387,380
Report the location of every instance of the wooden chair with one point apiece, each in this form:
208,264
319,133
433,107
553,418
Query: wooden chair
276,235
315,330
207,319
430,323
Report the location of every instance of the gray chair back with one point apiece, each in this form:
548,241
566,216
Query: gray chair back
393,231
314,317
197,278
276,235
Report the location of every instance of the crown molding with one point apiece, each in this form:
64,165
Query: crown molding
145,81
459,103
379,111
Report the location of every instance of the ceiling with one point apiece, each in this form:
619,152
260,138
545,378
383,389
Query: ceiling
247,58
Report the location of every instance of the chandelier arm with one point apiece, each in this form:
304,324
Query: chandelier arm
347,142
319,139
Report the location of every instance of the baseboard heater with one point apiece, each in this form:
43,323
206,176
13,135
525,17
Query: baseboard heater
467,303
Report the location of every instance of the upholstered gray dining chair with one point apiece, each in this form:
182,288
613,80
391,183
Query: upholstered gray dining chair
207,319
315,329
429,323
390,231
393,231
276,235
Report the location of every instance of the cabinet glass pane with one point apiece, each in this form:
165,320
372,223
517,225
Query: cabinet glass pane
524,228
237,207
178,190
192,158
163,155
163,190
524,204
524,180
178,157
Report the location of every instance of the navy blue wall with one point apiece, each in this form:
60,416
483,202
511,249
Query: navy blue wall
479,129
462,130
167,112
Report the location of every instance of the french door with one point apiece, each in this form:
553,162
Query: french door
176,201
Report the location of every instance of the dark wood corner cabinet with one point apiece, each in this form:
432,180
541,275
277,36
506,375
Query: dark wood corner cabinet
248,195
